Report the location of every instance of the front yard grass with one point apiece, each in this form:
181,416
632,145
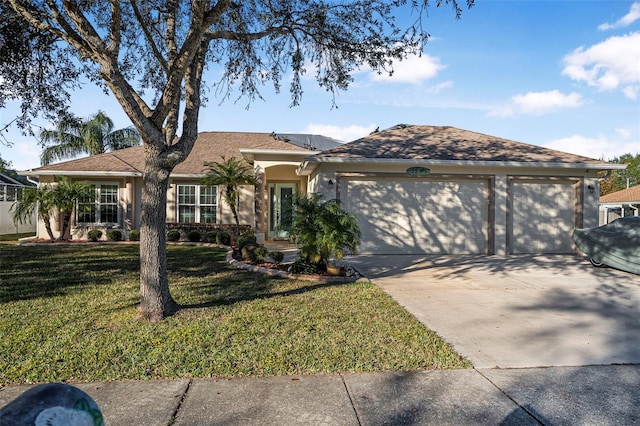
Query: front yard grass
67,313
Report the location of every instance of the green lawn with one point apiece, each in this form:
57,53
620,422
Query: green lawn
67,313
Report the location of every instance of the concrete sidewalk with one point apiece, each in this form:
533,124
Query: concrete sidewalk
603,395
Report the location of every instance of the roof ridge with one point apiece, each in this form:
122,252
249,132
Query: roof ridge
125,162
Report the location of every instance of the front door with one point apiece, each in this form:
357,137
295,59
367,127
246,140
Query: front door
281,209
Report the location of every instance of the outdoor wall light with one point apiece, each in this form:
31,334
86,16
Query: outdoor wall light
591,188
330,183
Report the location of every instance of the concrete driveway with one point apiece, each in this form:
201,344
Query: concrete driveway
518,311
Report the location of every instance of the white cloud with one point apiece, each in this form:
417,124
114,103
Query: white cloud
539,103
413,70
625,21
440,87
345,134
609,65
600,147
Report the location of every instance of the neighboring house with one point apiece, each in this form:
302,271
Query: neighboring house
618,204
415,189
9,189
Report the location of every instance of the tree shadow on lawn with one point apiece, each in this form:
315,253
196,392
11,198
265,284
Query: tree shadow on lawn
48,271
236,286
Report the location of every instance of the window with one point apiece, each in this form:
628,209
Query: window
102,208
197,204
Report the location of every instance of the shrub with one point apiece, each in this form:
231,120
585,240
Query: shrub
173,235
261,254
248,252
245,239
223,238
323,230
303,266
114,235
211,236
194,236
134,235
276,256
94,234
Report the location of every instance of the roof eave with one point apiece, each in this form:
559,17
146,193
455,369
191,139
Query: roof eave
311,163
36,172
250,153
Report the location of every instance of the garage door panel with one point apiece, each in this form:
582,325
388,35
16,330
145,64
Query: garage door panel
543,217
419,216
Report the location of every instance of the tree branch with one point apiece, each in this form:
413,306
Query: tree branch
114,33
147,35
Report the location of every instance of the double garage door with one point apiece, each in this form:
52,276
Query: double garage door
453,216
414,216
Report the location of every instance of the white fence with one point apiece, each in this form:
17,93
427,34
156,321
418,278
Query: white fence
8,194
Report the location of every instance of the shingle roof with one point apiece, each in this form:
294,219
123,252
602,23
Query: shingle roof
447,143
629,195
210,146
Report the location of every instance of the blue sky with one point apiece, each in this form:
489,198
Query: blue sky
562,74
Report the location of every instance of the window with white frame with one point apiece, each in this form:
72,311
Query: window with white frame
100,208
197,204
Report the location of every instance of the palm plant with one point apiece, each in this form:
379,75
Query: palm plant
66,196
93,136
231,174
324,231
46,198
31,199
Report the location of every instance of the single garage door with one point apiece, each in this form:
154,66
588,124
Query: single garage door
543,216
416,216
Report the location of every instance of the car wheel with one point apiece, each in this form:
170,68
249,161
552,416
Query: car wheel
596,263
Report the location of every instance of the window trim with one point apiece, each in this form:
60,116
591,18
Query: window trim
198,202
97,205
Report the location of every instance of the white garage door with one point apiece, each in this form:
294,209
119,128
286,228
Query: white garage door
543,216
419,216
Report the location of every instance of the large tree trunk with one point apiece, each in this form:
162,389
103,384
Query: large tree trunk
156,300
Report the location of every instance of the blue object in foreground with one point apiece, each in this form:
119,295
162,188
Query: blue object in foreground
616,244
52,404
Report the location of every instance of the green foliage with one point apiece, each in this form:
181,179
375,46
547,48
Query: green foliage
134,235
173,235
114,235
618,179
276,256
47,197
223,238
324,231
30,200
248,252
94,234
245,239
303,266
230,174
194,236
261,254
95,135
66,196
211,236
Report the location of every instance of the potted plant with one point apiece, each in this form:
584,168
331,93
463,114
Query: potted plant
324,232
